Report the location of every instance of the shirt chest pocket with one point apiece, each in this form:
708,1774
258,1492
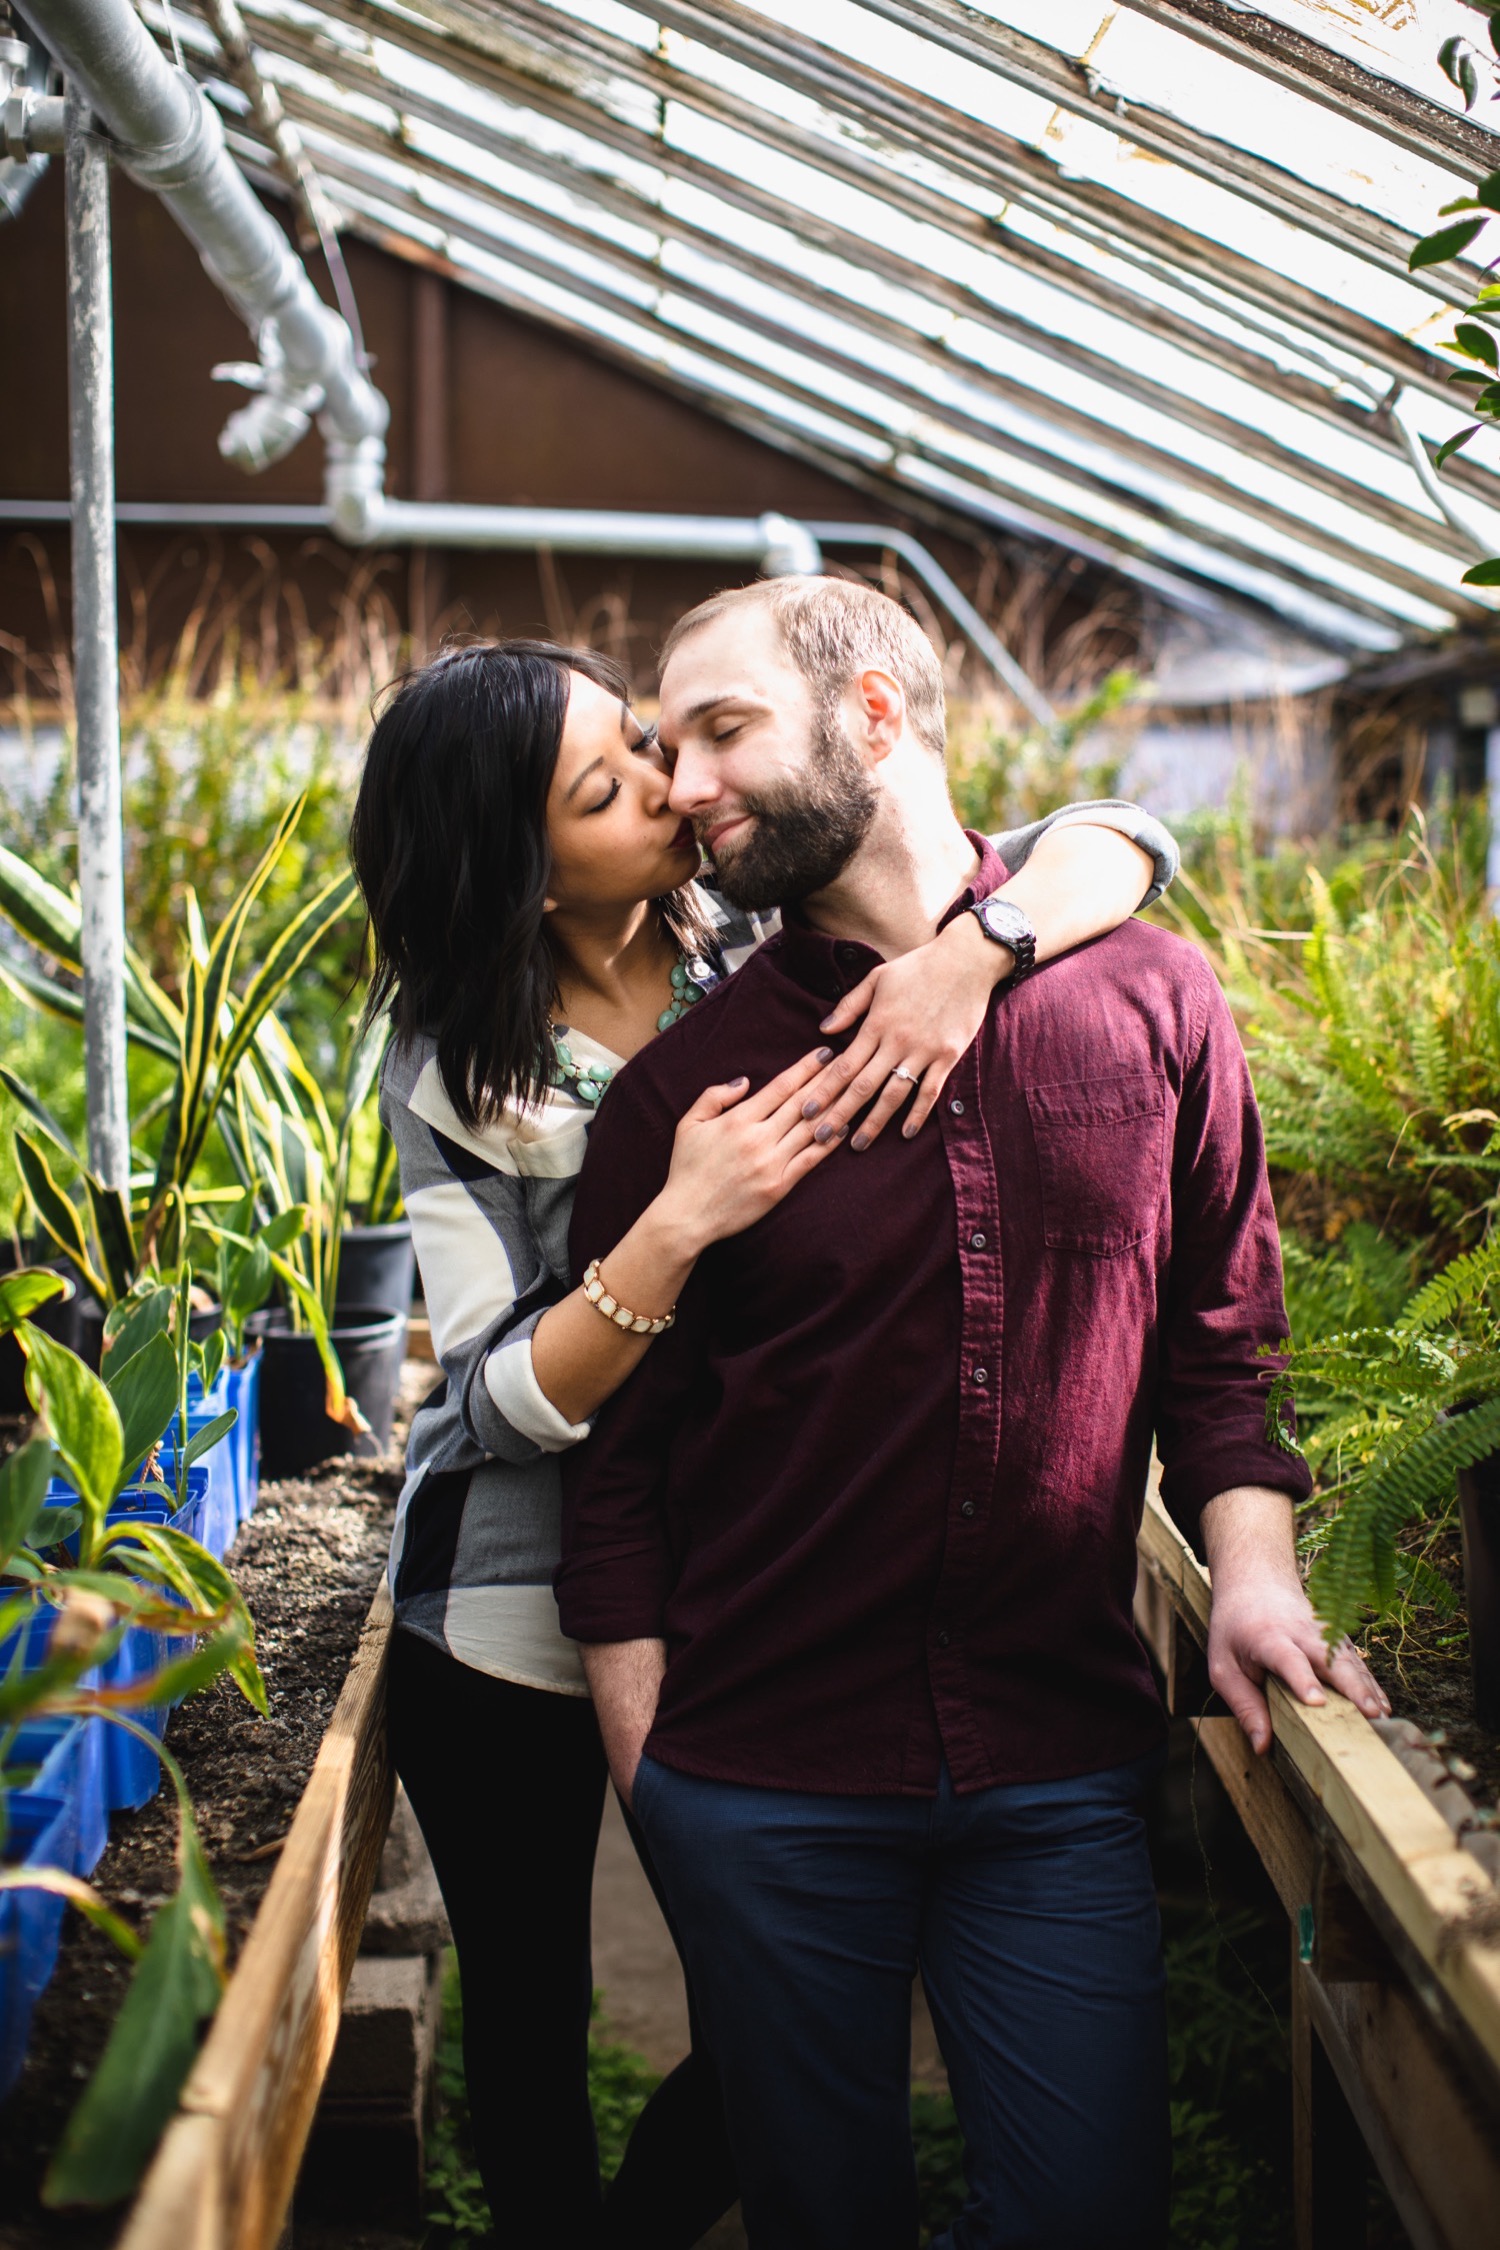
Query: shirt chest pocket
1099,1149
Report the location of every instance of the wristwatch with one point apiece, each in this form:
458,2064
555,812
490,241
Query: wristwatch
1007,925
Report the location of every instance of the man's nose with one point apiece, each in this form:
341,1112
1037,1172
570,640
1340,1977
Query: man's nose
694,783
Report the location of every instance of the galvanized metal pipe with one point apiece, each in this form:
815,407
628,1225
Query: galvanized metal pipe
96,671
171,141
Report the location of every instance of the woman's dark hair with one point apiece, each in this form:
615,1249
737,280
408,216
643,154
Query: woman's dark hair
449,843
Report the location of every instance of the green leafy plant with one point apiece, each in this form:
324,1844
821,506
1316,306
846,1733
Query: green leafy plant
100,1432
207,1038
1372,1024
1000,779
1397,1411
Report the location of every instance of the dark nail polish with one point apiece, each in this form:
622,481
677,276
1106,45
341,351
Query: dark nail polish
827,1025
824,1133
810,1109
860,1140
824,1054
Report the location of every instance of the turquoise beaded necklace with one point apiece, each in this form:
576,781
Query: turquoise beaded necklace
690,980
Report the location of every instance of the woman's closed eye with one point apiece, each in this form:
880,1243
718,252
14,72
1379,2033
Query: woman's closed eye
605,801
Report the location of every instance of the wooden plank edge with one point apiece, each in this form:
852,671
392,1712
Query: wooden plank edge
223,2176
1440,1898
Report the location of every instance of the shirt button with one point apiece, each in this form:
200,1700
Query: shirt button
967,1509
942,1640
847,954
978,1241
981,1374
957,1108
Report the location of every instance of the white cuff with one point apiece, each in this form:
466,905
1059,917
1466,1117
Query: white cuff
510,1379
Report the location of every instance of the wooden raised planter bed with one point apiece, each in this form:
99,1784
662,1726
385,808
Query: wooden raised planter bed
1395,1937
223,2176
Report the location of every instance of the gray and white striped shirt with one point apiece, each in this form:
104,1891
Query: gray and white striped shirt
477,1531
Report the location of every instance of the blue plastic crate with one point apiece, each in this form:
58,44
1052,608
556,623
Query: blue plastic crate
244,1396
221,1515
42,1833
69,1756
131,1769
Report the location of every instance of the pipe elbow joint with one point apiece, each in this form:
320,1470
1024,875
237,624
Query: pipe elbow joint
790,549
354,484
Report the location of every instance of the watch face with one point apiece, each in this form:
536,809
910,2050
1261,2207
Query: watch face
1004,921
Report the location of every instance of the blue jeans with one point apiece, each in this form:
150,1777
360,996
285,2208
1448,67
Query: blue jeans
1031,1913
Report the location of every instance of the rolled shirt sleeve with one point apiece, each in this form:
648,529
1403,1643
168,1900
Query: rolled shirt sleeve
1225,1310
487,1284
1016,845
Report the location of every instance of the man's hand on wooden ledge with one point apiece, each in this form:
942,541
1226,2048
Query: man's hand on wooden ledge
1262,1621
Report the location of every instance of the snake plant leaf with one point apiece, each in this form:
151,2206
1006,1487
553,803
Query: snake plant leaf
23,1494
55,1214
110,1211
46,916
173,1163
23,1291
37,1110
219,966
81,1416
301,937
124,2109
144,1389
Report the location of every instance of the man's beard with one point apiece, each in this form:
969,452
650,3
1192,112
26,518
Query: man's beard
806,832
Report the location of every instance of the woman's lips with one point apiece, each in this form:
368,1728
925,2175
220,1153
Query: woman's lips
685,839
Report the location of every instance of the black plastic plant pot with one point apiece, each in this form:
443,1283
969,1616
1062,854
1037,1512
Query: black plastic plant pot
59,1319
295,1431
377,1266
1479,1514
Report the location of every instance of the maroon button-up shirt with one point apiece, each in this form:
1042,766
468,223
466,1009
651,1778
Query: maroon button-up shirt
878,1489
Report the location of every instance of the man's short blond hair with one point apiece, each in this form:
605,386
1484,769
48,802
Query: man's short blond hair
834,629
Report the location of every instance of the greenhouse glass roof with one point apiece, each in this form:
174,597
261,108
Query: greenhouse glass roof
1132,278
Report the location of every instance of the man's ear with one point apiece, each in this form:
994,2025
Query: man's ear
882,707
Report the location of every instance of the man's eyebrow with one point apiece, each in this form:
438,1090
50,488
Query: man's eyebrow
580,778
700,710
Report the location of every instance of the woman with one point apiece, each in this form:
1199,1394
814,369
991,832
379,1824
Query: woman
536,921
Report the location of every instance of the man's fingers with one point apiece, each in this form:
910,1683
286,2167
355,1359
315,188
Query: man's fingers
1246,1701
853,1005
1345,1669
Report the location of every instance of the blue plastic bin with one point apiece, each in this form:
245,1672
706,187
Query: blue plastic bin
69,1755
131,1769
42,1833
221,1514
244,1397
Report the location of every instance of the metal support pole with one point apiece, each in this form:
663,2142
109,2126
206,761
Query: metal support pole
96,667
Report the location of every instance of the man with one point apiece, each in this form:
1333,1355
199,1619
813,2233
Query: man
852,1557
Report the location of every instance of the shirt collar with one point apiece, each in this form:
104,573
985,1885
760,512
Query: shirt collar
830,966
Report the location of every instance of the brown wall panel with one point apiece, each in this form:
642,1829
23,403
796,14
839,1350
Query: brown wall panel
509,411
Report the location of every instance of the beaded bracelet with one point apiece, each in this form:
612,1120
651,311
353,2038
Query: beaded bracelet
620,1316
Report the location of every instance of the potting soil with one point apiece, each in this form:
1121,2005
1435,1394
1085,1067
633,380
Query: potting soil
309,1561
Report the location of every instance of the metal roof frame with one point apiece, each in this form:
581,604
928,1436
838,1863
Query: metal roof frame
913,283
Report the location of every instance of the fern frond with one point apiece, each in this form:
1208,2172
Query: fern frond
1462,1282
1357,1569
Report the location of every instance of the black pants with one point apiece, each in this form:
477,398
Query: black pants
507,1784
